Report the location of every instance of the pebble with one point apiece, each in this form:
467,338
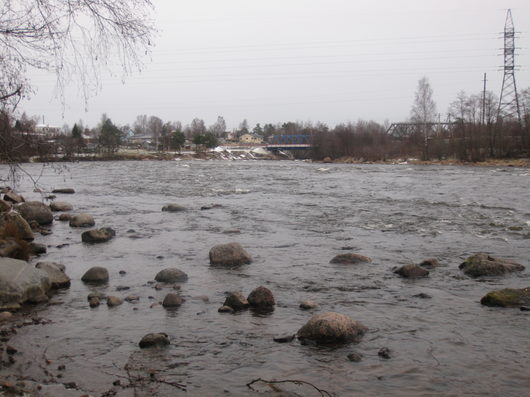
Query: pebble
384,352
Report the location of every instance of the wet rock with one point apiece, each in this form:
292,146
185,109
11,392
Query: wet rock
35,211
412,271
95,236
384,352
5,206
225,309
308,305
82,220
173,300
236,300
525,308
60,206
67,190
122,288
55,272
12,197
96,294
355,357
330,327
508,297
231,254
113,301
94,301
284,338
122,272
15,248
5,316
232,231
171,275
422,295
21,282
13,225
11,350
64,217
154,340
209,207
350,259
515,228
173,208
430,263
261,298
96,275
485,265
37,249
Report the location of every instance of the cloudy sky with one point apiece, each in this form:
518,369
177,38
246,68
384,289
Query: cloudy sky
302,60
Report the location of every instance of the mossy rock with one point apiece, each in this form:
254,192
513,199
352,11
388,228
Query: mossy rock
480,265
508,297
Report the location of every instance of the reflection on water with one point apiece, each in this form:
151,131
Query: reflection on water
293,217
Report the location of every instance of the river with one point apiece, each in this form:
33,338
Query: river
292,217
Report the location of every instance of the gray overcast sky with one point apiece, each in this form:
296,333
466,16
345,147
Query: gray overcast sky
307,60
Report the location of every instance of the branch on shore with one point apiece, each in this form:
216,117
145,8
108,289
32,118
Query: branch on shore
296,382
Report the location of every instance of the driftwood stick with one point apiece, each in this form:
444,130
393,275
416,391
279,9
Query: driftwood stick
297,382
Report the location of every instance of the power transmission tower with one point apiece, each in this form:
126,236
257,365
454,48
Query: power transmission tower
509,102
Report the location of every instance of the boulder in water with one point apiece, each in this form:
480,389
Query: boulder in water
59,206
113,301
82,220
350,259
430,263
21,282
154,340
485,265
331,327
231,254
412,271
98,235
56,274
261,298
66,190
173,300
96,275
13,225
173,208
508,297
171,275
236,300
308,305
35,211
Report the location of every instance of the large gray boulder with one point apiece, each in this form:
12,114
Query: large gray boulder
21,282
98,235
485,265
35,211
96,275
350,259
57,206
231,254
82,220
171,275
13,225
331,327
56,274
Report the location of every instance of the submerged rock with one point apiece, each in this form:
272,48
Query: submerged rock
57,206
350,259
308,305
485,265
355,357
95,236
508,297
35,211
412,271
236,300
113,301
384,352
82,220
284,338
37,249
430,263
64,217
171,275
225,309
261,298
231,254
173,208
173,300
330,327
21,282
96,274
154,340
66,190
94,301
56,274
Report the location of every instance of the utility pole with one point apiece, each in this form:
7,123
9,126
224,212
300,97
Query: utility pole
509,102
484,101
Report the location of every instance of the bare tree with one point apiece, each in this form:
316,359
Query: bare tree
218,128
69,38
424,111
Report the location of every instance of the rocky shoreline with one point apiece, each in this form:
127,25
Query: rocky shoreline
24,283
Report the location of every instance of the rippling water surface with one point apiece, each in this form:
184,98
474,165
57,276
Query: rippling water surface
292,217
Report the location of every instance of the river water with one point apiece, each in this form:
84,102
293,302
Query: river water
292,217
